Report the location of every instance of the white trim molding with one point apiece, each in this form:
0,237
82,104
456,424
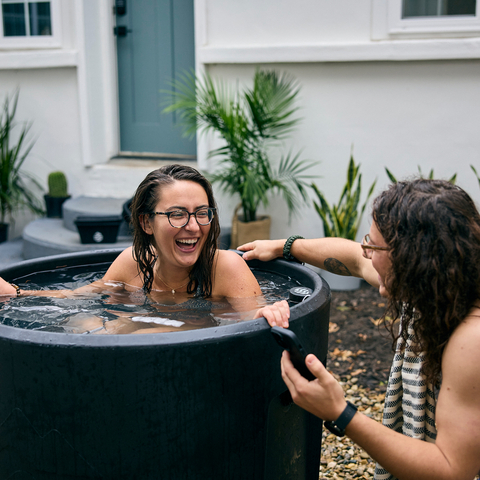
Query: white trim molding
16,60
398,50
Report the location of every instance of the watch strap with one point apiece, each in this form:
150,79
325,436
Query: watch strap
340,424
288,245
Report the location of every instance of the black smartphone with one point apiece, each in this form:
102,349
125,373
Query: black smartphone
290,342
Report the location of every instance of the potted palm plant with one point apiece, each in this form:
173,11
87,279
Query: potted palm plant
249,122
343,219
15,191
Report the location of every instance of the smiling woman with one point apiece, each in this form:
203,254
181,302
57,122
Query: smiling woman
175,248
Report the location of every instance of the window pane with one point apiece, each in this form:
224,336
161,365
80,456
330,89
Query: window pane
461,7
428,8
40,22
13,19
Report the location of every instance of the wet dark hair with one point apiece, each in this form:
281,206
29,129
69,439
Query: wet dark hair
432,229
144,202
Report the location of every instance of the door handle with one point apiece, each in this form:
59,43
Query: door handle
121,31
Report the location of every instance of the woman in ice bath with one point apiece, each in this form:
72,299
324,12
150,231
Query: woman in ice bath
175,249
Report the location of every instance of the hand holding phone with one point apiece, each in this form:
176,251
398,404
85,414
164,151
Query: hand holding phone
290,342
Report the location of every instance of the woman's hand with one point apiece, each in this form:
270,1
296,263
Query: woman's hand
277,315
263,250
6,288
323,396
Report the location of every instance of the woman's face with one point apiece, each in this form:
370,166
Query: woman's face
179,247
380,258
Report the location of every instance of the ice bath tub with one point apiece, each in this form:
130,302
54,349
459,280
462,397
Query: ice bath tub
200,404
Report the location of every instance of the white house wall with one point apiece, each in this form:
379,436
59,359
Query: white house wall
399,115
400,101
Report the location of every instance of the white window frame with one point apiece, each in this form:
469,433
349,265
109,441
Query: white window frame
37,41
388,23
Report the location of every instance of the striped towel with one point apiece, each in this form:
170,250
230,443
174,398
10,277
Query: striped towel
409,401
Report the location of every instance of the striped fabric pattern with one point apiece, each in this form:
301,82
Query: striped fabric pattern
409,401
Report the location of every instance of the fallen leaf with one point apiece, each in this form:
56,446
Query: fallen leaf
377,322
333,327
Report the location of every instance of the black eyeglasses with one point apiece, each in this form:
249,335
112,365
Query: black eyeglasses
366,245
179,218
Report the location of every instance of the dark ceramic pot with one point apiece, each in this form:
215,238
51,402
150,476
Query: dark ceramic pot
54,205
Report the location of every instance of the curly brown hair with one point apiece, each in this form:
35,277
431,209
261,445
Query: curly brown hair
144,202
432,229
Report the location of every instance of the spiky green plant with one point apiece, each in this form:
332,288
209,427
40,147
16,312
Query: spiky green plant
476,174
344,218
248,122
15,184
393,179
57,184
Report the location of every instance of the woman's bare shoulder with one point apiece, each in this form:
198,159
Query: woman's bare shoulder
462,353
124,268
233,277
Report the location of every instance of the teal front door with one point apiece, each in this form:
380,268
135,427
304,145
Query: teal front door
155,43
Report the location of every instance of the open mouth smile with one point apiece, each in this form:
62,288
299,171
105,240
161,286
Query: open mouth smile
187,244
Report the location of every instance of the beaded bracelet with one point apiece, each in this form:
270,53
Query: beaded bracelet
288,245
17,288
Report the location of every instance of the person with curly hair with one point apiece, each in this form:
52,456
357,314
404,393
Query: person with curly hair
423,253
175,234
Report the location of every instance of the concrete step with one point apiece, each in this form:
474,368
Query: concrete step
93,207
48,236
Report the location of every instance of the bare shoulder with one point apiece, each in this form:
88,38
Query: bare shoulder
466,338
124,268
233,277
458,407
462,356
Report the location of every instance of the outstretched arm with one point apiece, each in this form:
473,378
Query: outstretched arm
454,456
336,255
123,269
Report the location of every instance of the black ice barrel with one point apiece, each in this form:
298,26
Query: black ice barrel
202,404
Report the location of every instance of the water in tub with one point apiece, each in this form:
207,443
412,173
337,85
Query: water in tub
112,309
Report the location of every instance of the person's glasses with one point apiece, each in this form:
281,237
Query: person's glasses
179,218
368,247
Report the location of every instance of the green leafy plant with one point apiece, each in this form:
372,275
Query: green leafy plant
15,184
57,184
393,179
344,218
248,122
476,174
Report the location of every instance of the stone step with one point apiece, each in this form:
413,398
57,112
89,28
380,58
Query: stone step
93,207
48,236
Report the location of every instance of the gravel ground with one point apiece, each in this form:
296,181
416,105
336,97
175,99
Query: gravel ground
341,458
359,357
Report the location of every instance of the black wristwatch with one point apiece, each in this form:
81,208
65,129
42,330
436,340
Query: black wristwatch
340,424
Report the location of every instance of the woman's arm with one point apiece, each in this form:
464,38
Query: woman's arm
336,255
456,453
122,270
